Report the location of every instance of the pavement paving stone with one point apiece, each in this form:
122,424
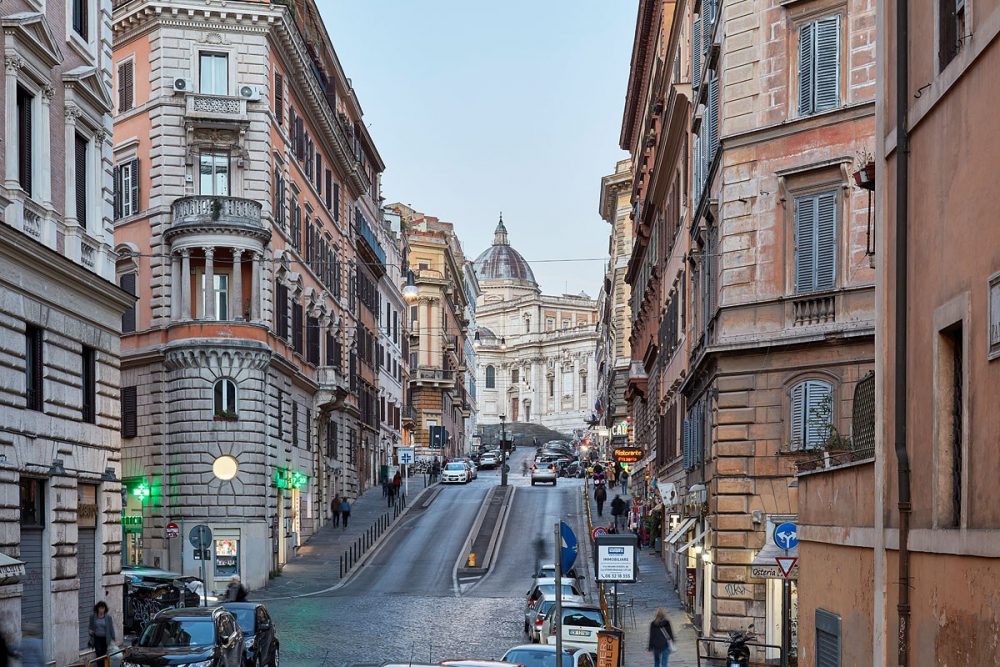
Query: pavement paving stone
653,589
317,564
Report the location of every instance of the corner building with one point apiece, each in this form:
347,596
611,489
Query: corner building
245,192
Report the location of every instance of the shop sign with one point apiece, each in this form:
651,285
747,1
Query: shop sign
620,429
609,648
994,300
615,558
692,582
627,454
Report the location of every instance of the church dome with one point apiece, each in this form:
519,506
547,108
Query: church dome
501,262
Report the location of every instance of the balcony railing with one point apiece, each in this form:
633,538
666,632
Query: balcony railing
365,231
209,209
814,310
216,107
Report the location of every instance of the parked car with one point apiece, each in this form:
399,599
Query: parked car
544,472
573,469
542,609
543,655
479,663
455,472
548,571
149,590
489,460
202,636
260,641
546,589
580,625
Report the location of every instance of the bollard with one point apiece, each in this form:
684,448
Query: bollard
341,575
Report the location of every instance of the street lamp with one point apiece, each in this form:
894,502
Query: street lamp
477,341
503,344
503,451
410,291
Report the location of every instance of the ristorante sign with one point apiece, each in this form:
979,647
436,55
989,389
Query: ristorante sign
628,454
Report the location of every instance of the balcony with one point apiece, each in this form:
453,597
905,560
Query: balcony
812,310
364,230
409,415
216,107
439,378
211,214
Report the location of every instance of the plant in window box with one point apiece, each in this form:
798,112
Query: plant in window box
225,415
216,208
864,177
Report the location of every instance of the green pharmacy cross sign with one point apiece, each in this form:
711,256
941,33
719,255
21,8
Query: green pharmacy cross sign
141,492
289,479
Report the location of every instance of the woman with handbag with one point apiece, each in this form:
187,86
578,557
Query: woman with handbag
102,629
660,636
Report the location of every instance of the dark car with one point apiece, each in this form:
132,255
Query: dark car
149,590
197,637
260,641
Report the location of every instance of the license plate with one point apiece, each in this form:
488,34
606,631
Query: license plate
579,633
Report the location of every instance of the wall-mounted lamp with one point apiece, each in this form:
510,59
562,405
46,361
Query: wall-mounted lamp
503,344
410,291
477,341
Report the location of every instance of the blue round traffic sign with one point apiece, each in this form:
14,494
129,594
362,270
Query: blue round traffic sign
786,536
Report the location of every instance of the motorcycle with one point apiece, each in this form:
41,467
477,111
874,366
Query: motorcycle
738,654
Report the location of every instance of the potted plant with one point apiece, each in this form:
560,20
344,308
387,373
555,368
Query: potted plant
216,208
864,177
225,415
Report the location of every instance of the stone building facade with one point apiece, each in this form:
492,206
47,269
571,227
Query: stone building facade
536,361
389,357
614,324
245,195
437,329
936,225
60,318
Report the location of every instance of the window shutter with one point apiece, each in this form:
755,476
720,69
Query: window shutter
24,138
130,412
297,341
300,138
127,283
336,202
687,442
817,392
121,87
713,118
80,154
826,241
134,194
807,36
117,189
281,311
129,85
827,44
797,416
279,98
328,190
707,21
696,53
827,639
805,244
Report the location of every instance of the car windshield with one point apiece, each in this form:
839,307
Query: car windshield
547,607
455,466
550,589
530,657
244,618
589,618
175,632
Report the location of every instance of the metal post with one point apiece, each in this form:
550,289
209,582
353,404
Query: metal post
786,621
406,478
557,618
503,451
614,612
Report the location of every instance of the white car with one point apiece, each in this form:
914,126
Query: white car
455,472
580,625
544,655
489,460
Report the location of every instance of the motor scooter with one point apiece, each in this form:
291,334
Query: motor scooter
738,654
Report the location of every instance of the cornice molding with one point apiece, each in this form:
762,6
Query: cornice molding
230,355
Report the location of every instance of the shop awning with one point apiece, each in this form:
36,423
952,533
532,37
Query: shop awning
10,567
680,531
697,539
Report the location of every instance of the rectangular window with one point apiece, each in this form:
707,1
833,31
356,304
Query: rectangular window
214,69
127,282
819,65
281,414
299,138
126,189
319,173
88,380
279,98
514,376
816,242
950,389
295,423
309,419
34,367
81,149
812,412
336,202
214,174
81,19
328,190
25,102
331,440
297,341
312,337
279,197
951,30
32,502
126,86
221,296
827,639
281,311
130,412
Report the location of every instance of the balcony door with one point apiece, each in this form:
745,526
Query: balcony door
213,169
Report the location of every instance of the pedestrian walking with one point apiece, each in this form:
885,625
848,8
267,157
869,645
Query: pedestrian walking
102,630
600,496
345,511
386,487
397,481
30,651
660,637
391,494
617,511
623,480
335,510
235,591
435,469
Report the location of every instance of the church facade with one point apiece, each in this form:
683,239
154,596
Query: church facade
536,351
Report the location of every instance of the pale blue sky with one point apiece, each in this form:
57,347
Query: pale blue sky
512,105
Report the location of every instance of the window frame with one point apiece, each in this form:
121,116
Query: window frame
34,367
213,55
801,443
814,195
221,398
801,20
130,411
88,384
215,155
125,84
490,375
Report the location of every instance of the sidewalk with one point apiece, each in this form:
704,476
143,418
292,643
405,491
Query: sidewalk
317,565
652,589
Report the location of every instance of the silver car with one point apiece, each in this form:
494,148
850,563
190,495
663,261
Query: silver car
544,655
544,472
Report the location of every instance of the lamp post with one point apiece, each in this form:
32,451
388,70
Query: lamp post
503,451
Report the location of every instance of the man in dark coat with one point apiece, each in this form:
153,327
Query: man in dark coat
618,509
600,496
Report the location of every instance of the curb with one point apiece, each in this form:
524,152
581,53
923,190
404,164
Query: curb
483,568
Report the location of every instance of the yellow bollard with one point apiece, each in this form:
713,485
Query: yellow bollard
472,560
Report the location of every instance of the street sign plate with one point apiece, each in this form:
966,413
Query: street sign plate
786,536
405,455
569,547
785,563
172,530
598,531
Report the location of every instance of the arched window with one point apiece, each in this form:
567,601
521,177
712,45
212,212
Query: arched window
225,398
811,416
491,377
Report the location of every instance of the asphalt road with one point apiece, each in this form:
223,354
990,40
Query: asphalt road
407,601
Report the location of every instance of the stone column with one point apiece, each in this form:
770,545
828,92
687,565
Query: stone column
255,287
209,290
175,286
236,293
186,284
12,65
71,113
43,147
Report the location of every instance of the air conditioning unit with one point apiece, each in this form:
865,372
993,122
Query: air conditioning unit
183,85
251,93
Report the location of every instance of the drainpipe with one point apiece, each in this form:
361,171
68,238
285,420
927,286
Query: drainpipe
900,343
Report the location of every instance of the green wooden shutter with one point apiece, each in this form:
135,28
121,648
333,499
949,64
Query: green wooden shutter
826,241
805,244
121,88
713,119
696,53
807,38
279,98
797,416
827,639
827,70
130,412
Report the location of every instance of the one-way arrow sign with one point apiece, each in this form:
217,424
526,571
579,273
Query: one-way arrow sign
785,563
